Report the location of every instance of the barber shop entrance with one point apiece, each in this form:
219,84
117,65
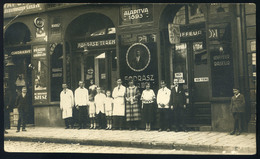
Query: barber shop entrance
189,65
97,66
188,60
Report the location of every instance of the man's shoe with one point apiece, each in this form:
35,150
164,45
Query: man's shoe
232,133
238,133
24,130
160,130
17,131
168,130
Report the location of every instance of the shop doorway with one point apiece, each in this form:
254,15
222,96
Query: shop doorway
23,78
97,66
189,64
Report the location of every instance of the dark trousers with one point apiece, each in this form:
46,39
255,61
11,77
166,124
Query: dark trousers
6,119
101,120
164,118
83,116
68,122
179,112
75,116
237,121
22,119
118,122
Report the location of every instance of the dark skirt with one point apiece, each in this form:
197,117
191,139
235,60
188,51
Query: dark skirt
149,113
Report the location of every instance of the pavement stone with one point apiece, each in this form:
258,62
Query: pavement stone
193,140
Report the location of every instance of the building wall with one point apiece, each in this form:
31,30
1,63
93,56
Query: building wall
47,113
48,116
221,116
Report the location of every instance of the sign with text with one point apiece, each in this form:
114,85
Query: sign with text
192,32
201,79
13,9
110,42
40,97
141,73
136,13
21,52
39,51
178,75
222,71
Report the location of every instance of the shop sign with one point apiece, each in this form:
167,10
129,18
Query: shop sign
40,96
39,51
12,9
21,52
136,13
191,33
201,79
140,80
178,75
221,60
97,43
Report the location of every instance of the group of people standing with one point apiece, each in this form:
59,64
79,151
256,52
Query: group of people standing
108,110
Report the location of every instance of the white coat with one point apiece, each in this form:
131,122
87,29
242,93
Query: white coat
66,103
119,101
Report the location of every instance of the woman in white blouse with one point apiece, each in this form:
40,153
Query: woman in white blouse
148,105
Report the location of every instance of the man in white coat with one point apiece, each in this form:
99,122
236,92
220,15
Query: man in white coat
81,103
119,104
66,105
163,101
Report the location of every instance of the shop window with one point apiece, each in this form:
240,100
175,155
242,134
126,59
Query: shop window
56,72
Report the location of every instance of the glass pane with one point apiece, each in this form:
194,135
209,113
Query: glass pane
179,62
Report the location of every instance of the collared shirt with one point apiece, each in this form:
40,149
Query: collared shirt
237,95
81,96
163,97
176,88
100,102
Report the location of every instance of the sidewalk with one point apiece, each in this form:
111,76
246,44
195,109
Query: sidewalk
218,142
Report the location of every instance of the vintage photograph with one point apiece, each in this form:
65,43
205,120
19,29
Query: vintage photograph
130,78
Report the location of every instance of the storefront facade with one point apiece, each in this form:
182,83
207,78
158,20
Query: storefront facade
191,42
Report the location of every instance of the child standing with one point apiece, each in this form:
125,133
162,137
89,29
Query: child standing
92,107
109,109
100,108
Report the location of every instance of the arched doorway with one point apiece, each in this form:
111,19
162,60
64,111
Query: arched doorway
18,70
185,57
92,50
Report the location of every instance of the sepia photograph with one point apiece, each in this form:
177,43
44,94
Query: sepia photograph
130,78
